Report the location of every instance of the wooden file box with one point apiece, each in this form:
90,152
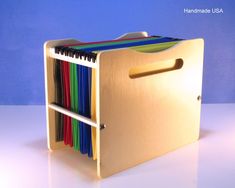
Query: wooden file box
149,102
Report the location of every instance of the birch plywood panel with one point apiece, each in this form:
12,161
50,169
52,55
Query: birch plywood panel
149,115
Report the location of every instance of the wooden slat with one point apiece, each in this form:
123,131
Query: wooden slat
72,115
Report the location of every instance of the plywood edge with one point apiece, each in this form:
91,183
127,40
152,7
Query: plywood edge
133,35
98,115
199,42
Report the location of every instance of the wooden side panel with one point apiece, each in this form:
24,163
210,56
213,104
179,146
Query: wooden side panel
150,115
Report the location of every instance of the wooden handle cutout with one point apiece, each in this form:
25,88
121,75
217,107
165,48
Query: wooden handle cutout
156,68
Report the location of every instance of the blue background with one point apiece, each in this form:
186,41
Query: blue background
26,25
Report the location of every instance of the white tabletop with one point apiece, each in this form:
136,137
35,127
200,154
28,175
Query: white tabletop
26,162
